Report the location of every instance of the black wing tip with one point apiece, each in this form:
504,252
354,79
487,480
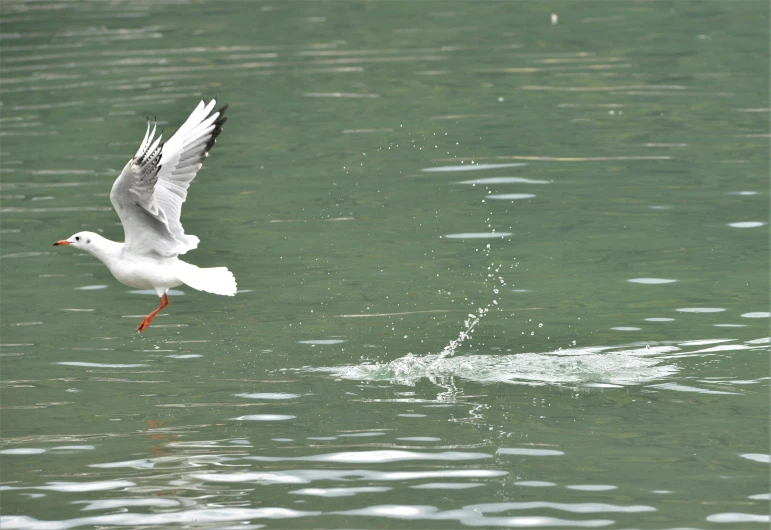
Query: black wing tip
218,123
221,119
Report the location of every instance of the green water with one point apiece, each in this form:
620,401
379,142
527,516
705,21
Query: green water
384,365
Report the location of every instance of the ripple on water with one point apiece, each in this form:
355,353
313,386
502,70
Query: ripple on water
77,487
528,451
757,457
759,314
378,456
738,518
747,224
340,492
474,515
578,507
23,254
101,365
651,281
321,341
23,451
196,516
307,476
591,487
477,235
268,395
503,180
686,388
113,504
510,196
702,342
470,167
264,417
700,309
447,485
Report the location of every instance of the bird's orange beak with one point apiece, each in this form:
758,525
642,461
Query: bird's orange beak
62,242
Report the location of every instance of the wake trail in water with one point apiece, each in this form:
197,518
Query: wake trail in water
586,367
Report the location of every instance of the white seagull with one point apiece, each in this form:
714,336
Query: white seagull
148,197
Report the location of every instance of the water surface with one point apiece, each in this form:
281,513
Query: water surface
493,271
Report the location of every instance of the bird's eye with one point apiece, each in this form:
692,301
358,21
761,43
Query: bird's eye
77,238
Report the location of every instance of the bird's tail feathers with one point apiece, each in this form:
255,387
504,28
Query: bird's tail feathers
216,280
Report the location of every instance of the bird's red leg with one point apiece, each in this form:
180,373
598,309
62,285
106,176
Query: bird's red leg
149,318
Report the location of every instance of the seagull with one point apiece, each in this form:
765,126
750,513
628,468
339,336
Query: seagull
148,196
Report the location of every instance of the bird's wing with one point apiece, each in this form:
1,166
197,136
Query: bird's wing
149,192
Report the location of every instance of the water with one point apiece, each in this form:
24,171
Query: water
386,168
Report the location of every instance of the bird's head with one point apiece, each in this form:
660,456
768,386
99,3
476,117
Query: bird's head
81,240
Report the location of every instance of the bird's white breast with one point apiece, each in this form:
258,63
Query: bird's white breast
145,273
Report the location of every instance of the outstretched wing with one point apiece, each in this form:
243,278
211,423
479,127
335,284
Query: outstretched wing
149,192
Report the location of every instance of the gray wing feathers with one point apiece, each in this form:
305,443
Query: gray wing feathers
152,187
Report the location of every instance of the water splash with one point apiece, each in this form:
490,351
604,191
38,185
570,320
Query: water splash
452,346
586,367
439,368
474,318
